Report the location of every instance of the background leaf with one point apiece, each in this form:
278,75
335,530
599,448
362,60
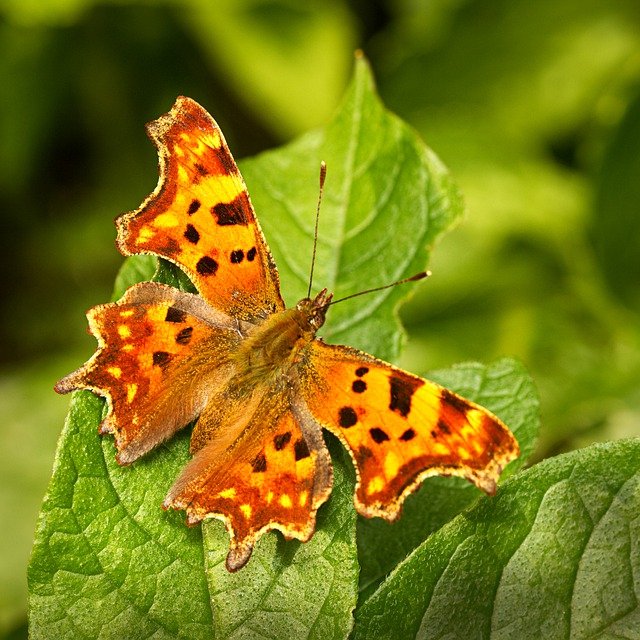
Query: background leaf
32,415
618,196
248,38
553,555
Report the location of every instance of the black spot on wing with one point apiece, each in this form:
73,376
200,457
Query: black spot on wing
184,336
161,358
282,440
347,417
175,315
193,207
259,464
251,254
360,371
401,390
359,386
237,256
191,234
379,436
301,449
234,212
206,266
409,434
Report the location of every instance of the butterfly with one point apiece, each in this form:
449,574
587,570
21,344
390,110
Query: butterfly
252,373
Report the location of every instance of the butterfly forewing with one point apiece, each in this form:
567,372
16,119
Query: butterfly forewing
201,218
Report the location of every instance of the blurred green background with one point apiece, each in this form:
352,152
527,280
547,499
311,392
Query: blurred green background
534,106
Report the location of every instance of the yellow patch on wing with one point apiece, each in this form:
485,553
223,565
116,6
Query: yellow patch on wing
375,485
145,235
124,331
225,188
166,221
132,389
440,449
392,463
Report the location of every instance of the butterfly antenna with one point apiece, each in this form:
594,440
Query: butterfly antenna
323,175
417,276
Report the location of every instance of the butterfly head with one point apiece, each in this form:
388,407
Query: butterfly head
313,310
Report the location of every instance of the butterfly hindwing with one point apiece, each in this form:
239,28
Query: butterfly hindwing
146,340
400,428
201,218
271,472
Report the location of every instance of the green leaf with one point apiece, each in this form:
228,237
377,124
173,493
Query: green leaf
170,274
505,388
615,214
134,269
387,199
553,555
106,556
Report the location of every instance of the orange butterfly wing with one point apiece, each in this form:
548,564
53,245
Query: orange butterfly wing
400,428
272,471
200,217
146,340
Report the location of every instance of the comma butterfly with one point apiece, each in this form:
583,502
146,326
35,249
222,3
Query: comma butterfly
260,383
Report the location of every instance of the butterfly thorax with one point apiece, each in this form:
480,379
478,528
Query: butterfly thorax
273,346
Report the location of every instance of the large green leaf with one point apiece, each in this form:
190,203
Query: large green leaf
107,561
554,555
